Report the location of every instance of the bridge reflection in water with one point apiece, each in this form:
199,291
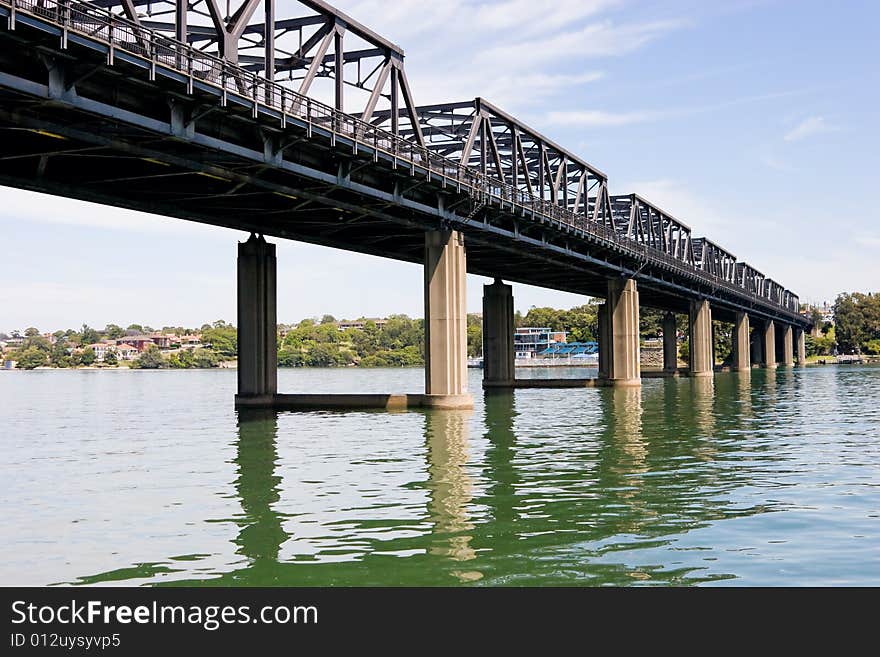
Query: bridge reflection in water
514,502
450,489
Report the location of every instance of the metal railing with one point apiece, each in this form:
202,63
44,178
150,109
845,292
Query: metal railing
121,34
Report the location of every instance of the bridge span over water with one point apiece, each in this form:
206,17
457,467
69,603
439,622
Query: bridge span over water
305,128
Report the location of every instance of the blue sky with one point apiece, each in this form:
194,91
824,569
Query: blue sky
754,122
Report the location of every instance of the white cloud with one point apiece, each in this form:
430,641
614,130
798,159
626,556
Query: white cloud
505,90
772,162
871,241
812,125
516,53
599,118
605,39
604,119
404,19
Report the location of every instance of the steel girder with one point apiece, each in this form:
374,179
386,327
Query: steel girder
319,44
643,222
657,242
711,258
480,135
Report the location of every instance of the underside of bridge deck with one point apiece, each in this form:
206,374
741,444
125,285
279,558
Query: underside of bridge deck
74,125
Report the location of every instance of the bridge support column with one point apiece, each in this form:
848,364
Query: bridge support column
787,346
498,353
604,340
670,343
757,352
801,341
769,344
741,361
700,339
257,348
619,334
445,321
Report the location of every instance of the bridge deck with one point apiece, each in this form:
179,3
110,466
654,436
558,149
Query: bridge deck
116,117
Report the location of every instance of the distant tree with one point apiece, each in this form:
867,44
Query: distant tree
723,341
328,319
366,341
324,355
113,332
544,317
856,321
223,340
290,357
29,358
684,351
186,359
327,333
205,358
31,332
110,357
88,356
59,356
89,335
650,323
39,342
582,323
149,359
134,329
822,345
474,335
73,337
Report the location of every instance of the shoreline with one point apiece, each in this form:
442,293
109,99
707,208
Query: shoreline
233,366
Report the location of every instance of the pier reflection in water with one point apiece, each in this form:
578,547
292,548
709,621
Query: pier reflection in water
450,489
261,532
682,481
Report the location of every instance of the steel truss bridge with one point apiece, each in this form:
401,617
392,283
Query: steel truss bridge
305,128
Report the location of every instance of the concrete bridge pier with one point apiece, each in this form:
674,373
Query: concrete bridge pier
498,350
619,334
801,341
445,321
787,346
741,361
670,343
257,349
700,340
769,344
757,339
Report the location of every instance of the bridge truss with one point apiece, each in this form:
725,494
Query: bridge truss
268,156
317,51
479,135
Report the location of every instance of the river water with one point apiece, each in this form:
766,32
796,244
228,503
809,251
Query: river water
150,478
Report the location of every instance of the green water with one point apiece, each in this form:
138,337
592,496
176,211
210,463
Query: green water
150,478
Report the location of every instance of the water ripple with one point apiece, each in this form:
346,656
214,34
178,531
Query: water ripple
150,478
